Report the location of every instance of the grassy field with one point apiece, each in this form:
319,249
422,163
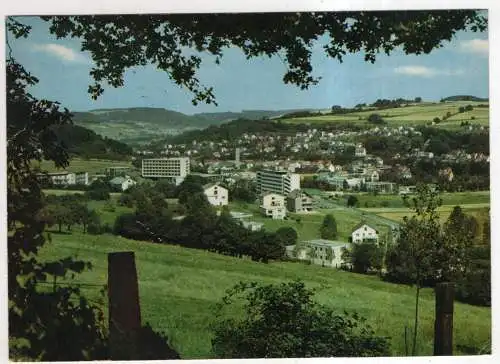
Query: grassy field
309,225
92,166
454,198
480,212
179,287
410,115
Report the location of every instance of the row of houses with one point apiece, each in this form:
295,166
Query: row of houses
276,206
64,178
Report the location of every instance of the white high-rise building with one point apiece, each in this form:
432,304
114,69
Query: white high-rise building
175,169
277,181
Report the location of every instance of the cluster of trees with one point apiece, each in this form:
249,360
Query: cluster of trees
426,254
463,109
300,114
243,190
365,257
199,227
69,210
98,190
389,104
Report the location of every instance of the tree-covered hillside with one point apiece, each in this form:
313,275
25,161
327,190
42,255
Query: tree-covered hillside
82,142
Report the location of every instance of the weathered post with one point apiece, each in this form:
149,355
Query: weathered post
124,309
443,326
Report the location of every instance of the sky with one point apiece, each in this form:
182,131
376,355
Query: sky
459,68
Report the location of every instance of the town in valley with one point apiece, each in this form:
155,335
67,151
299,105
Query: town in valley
158,224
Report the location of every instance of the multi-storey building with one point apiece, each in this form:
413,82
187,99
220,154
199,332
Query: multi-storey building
273,205
117,171
175,169
277,181
58,178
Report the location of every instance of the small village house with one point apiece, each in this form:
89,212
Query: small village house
216,195
363,232
122,183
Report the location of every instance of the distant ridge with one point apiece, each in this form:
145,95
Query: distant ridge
464,98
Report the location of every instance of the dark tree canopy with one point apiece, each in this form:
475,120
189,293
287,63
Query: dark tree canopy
117,43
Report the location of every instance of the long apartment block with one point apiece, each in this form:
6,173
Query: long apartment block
172,168
277,181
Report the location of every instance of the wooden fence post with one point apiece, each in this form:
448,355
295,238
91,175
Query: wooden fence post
124,309
443,325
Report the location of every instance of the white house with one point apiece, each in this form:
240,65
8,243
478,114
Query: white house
327,253
360,151
363,233
216,195
123,183
273,205
252,225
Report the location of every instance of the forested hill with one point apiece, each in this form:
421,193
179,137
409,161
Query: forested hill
142,125
85,143
155,116
464,98
170,118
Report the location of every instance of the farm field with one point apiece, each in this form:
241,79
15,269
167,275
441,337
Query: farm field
453,198
178,289
92,166
409,115
480,212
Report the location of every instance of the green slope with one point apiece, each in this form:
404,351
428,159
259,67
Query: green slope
178,288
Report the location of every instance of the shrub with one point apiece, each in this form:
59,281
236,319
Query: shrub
282,321
376,119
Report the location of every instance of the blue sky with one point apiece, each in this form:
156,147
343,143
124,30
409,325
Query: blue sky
461,67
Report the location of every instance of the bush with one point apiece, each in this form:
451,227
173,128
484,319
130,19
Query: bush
126,225
94,228
352,201
376,119
475,287
282,321
126,200
98,194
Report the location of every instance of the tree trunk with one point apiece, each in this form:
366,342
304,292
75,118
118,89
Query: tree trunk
60,227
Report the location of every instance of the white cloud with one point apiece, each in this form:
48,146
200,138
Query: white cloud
64,53
479,46
422,71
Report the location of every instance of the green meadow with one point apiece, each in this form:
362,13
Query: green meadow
179,288
92,166
409,115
